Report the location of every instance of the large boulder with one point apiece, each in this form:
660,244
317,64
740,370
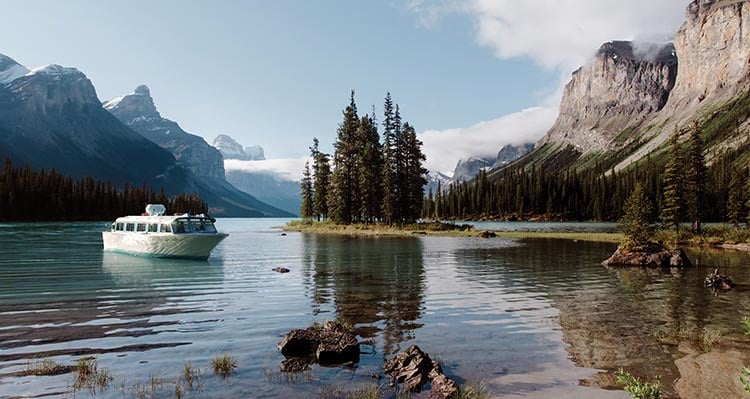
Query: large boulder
648,255
329,344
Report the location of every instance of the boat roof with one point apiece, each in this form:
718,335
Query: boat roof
160,219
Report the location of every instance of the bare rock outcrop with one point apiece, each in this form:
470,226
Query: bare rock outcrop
413,369
329,344
650,255
622,87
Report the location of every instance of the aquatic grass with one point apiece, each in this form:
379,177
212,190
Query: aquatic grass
224,365
745,381
672,336
364,391
745,323
639,389
90,376
473,390
191,376
46,367
710,336
178,389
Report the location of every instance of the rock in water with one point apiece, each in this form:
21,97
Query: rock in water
330,344
649,255
719,281
414,368
280,270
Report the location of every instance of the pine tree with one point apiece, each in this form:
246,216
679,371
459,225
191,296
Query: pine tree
413,190
736,203
306,187
321,176
635,223
672,193
369,170
388,173
344,189
697,175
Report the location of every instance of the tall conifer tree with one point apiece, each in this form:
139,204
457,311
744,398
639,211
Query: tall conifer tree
344,188
389,168
672,203
321,181
306,187
697,175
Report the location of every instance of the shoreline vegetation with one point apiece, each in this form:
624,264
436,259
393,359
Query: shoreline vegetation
721,237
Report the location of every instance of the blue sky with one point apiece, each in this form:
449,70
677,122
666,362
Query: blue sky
278,73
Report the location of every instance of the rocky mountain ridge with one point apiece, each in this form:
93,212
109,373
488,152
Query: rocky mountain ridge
231,149
625,104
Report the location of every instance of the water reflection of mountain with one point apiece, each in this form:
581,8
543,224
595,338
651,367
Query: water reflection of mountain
611,318
377,284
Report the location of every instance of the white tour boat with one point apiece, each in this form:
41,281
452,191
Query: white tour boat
158,235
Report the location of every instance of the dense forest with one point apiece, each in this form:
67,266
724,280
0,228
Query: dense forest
29,195
370,181
680,186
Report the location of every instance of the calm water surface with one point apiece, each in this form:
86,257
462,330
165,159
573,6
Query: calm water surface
530,318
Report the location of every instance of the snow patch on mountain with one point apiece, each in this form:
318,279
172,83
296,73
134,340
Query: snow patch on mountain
54,70
10,70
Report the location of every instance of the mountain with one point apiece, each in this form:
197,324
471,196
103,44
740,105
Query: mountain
265,185
231,149
50,117
204,162
433,178
467,169
268,187
624,105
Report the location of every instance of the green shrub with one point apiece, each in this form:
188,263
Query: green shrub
637,388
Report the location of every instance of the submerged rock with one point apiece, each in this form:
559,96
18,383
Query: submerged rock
648,255
718,281
414,368
487,234
280,270
329,344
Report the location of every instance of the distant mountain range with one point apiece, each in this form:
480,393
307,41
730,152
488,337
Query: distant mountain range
51,118
267,186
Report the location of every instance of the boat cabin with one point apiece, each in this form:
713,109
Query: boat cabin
183,224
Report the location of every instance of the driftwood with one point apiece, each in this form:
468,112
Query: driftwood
414,368
718,281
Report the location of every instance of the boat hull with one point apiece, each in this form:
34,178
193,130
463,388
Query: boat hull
162,245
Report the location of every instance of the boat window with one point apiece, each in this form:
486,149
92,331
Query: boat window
114,226
141,227
166,228
181,226
197,225
130,227
209,226
153,228
120,227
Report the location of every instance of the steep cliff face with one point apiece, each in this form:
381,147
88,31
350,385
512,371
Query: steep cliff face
713,46
137,110
621,88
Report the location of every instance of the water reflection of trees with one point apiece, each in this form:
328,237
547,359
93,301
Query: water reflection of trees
377,284
611,318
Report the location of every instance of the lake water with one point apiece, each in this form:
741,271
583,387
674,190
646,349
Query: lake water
529,318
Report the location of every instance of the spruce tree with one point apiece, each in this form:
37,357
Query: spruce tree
388,173
697,174
306,188
671,209
321,181
635,223
369,170
413,193
736,203
343,193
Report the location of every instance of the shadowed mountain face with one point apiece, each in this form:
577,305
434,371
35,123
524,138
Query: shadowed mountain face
52,118
205,163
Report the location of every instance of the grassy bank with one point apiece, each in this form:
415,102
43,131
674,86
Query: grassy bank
435,229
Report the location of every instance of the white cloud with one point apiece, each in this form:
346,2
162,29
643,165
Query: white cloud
558,34
444,148
286,168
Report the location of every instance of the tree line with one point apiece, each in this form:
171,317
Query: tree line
30,195
680,186
367,180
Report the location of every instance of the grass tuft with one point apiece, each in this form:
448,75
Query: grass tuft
224,365
46,367
90,376
745,379
745,323
473,390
